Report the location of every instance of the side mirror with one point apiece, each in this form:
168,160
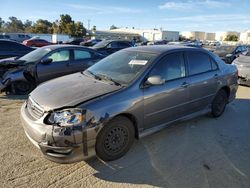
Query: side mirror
229,55
46,61
155,80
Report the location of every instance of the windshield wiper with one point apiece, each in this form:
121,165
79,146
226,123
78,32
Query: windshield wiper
106,77
102,77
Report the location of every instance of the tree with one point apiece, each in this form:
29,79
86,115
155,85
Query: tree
65,25
113,27
42,26
80,30
93,28
14,25
1,24
231,38
28,26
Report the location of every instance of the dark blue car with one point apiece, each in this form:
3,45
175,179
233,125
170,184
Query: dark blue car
9,48
44,64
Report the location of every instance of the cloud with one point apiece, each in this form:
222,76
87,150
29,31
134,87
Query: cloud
211,18
212,23
105,9
194,4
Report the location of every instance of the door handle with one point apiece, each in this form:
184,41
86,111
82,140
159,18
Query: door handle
184,84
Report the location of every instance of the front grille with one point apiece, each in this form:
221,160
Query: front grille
34,109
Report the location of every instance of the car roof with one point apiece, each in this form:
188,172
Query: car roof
8,40
58,46
159,49
117,40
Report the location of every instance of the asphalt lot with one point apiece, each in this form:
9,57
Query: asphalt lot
203,152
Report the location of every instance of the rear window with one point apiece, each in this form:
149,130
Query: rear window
198,63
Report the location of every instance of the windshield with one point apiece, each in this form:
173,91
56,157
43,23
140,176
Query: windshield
35,55
225,49
101,44
121,67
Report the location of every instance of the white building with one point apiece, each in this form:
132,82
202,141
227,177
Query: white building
210,36
151,35
112,34
245,37
194,35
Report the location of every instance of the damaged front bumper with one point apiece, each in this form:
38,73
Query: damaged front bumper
55,144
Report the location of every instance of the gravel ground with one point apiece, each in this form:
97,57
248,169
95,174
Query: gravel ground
203,152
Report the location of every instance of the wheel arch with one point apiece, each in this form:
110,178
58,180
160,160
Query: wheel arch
227,90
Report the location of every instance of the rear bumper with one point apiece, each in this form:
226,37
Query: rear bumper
55,145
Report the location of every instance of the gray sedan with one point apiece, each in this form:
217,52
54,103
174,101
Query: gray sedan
127,95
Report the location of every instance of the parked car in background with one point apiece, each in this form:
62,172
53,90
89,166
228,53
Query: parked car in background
36,42
4,36
229,53
108,47
243,65
160,42
9,48
46,63
74,41
91,42
129,94
18,37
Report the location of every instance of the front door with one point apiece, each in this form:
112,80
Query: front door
58,67
167,102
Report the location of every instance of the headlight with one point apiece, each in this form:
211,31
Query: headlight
67,117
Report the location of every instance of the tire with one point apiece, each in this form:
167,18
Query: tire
21,88
219,103
115,139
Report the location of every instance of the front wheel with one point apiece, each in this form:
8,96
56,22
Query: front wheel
219,103
115,139
21,88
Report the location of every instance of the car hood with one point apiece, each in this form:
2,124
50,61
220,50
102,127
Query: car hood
69,91
10,62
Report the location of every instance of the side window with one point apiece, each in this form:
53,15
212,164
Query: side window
123,45
198,62
58,56
113,45
171,67
80,54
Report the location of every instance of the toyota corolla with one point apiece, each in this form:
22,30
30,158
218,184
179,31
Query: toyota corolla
125,96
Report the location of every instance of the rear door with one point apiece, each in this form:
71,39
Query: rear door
203,79
58,67
82,59
166,102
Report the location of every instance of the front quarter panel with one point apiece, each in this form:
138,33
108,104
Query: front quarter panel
126,101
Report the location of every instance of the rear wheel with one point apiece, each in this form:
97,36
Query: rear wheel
21,88
115,139
219,103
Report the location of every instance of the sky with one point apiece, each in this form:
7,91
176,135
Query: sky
179,15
